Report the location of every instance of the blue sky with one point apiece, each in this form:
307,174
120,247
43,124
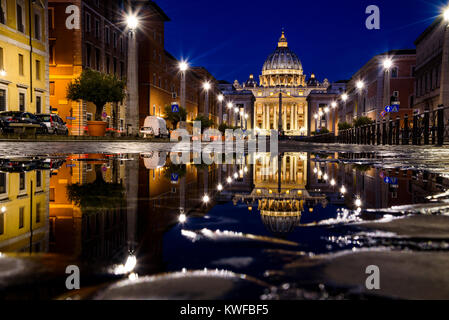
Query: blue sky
233,38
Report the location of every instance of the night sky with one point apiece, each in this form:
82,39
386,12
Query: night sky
233,38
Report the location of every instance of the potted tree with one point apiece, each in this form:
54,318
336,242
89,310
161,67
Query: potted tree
97,196
100,89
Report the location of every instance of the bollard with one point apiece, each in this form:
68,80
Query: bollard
398,130
378,133
384,132
373,133
426,127
390,132
405,133
440,126
415,129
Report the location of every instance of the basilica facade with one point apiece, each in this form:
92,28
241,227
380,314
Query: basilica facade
282,75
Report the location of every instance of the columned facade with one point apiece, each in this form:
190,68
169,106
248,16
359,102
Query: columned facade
282,73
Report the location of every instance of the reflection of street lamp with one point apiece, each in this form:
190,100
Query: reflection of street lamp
183,66
133,104
3,73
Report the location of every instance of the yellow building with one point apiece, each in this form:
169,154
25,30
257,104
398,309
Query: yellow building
24,211
24,61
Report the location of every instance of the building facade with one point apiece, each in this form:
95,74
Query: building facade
429,83
23,56
99,42
373,87
282,75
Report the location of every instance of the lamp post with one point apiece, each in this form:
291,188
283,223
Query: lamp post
387,64
183,67
229,106
133,99
220,108
344,98
360,85
334,120
444,90
206,87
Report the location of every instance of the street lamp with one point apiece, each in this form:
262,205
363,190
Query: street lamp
183,66
446,15
132,22
360,84
344,97
3,73
207,86
220,99
387,64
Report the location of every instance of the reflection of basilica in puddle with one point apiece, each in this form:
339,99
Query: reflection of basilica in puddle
280,192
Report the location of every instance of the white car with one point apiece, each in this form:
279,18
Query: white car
154,126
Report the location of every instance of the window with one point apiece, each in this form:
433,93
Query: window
2,66
38,70
38,212
3,186
394,72
122,70
38,104
115,66
121,44
37,26
97,28
51,53
108,64
396,94
22,181
21,217
97,59
21,101
88,55
3,11
107,35
114,39
87,26
51,18
52,88
21,69
2,223
20,25
2,101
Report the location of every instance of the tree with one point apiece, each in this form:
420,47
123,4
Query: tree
344,126
98,195
362,121
175,117
98,88
206,123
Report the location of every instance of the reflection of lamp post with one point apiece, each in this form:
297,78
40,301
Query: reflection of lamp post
183,67
133,100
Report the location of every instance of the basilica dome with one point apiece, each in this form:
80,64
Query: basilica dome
283,59
282,67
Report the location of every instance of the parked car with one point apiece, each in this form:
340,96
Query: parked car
20,122
54,123
154,126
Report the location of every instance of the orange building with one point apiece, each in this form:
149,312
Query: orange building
99,42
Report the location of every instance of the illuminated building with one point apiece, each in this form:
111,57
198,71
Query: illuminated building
23,59
282,74
101,43
24,211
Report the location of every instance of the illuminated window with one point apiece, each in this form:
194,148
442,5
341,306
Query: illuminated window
21,217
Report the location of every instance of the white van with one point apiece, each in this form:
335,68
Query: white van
154,126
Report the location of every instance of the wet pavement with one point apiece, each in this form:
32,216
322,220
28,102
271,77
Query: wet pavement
304,224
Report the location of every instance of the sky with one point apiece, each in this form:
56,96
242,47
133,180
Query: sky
232,38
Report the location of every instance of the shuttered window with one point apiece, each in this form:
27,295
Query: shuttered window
2,100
